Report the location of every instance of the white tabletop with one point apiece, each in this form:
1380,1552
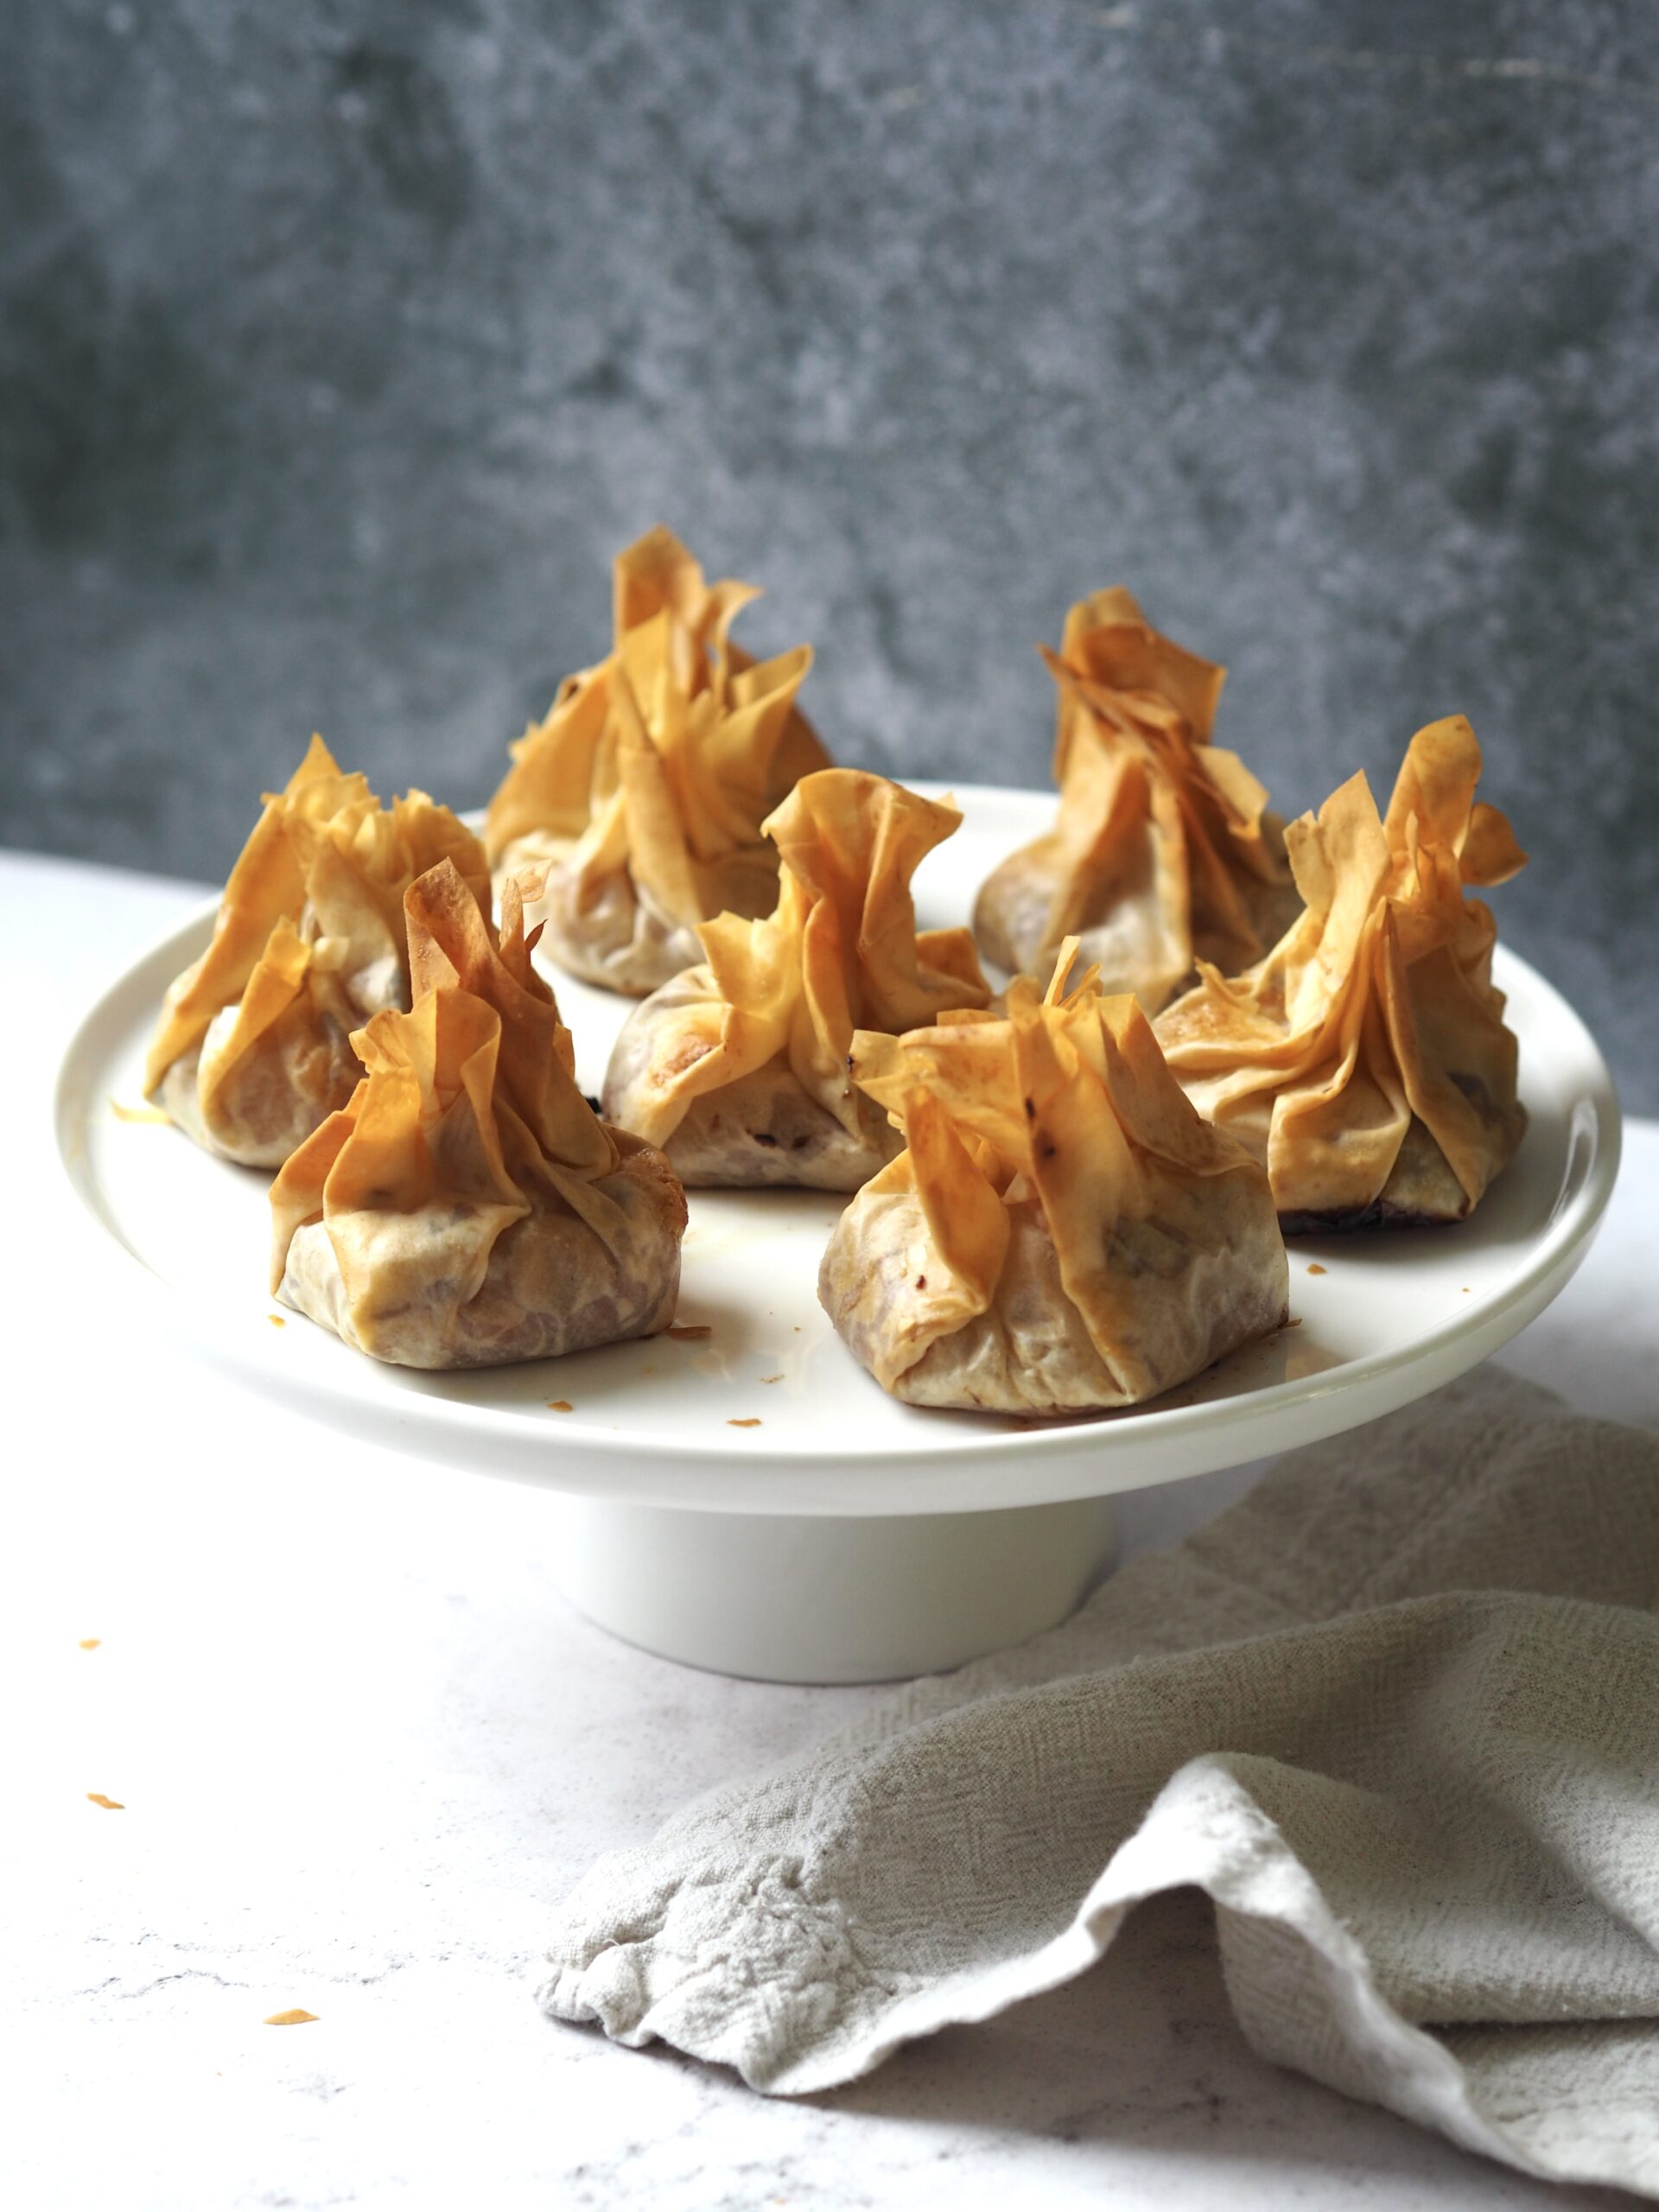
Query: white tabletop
363,1746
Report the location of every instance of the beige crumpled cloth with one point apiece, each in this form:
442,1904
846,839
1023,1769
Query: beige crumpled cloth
1397,1712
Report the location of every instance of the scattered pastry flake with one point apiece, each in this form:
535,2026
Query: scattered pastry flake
276,1320
560,1406
684,1332
141,1113
1465,1290
91,1642
1314,1269
292,2018
772,1378
109,1804
797,1328
752,1421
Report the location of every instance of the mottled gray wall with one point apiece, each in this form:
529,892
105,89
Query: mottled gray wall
342,341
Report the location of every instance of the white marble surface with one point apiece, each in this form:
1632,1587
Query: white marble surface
362,1746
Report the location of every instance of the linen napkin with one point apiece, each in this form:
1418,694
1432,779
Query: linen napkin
1397,1712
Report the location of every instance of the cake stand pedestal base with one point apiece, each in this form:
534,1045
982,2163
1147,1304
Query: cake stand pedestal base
798,1597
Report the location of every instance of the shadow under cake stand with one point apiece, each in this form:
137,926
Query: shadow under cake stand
748,1500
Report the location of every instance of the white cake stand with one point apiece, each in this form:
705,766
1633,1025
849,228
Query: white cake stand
746,1498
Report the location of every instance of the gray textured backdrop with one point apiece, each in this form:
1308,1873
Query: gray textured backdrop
342,341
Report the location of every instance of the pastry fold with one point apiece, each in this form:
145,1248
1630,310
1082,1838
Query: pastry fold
641,795
467,1207
253,1049
1163,851
1365,1060
1062,1233
738,1068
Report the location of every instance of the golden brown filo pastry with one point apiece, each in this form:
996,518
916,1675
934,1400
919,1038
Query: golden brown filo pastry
1063,1231
1365,1060
468,1207
1163,851
253,1049
643,792
738,1068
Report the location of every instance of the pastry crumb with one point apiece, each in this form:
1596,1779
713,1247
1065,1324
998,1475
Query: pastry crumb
109,1804
158,1114
276,1320
772,1378
751,1420
1314,1269
292,2018
91,1642
684,1331
560,1406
